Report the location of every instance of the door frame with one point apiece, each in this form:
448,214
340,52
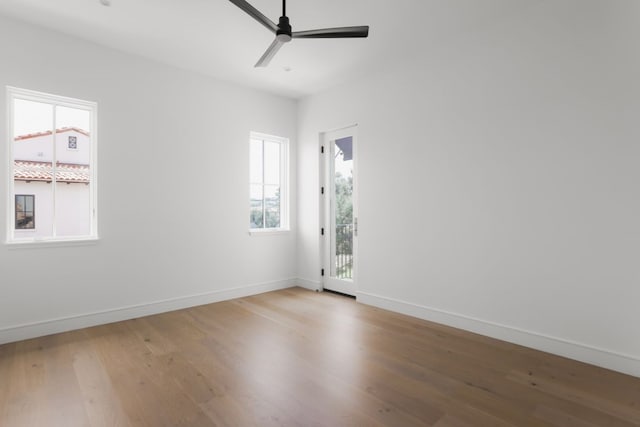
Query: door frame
325,215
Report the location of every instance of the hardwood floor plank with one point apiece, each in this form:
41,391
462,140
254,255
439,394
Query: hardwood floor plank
20,403
156,341
7,358
59,395
273,372
449,421
234,401
560,418
300,358
580,396
334,363
101,404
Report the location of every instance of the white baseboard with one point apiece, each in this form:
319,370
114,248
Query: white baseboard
312,285
584,353
64,324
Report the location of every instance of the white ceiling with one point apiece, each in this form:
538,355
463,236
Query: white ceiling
216,38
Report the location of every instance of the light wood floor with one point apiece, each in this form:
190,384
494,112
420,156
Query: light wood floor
296,357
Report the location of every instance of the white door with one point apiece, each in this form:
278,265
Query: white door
340,228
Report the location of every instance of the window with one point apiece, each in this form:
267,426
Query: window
52,146
268,182
25,210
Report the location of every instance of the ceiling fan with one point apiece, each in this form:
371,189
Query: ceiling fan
284,34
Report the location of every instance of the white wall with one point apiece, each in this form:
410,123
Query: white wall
173,189
500,181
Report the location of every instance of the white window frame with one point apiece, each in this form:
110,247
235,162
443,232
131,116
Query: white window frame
14,93
284,183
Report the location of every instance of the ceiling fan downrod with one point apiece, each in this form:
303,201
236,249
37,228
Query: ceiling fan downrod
284,31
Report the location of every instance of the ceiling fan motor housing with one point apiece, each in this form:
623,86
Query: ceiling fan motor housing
284,29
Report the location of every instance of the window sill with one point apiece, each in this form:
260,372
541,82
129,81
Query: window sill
38,244
269,232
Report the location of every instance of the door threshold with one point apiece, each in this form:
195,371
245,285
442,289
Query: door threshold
339,293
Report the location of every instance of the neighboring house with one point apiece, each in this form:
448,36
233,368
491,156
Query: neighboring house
33,174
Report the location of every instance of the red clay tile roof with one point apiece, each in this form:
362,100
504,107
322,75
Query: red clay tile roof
61,130
24,170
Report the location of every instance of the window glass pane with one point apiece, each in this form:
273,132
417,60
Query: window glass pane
30,223
33,167
73,172
343,208
266,185
67,117
256,219
343,184
73,139
272,206
73,216
271,163
255,161
30,117
32,131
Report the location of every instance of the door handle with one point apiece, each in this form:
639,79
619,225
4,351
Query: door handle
355,227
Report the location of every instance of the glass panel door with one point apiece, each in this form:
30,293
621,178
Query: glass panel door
340,211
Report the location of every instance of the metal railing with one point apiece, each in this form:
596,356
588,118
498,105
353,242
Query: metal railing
344,251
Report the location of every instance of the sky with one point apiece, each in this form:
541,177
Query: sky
33,117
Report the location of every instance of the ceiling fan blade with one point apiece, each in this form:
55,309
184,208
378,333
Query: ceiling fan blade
256,14
270,53
332,33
